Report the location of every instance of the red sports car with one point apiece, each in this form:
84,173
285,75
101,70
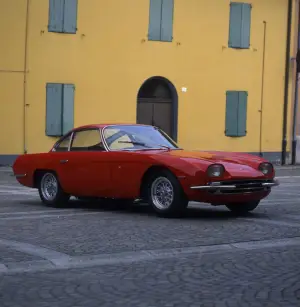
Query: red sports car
131,162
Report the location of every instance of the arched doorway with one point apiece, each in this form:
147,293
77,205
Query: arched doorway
157,105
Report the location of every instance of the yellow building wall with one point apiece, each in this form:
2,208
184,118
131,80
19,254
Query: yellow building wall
110,57
12,38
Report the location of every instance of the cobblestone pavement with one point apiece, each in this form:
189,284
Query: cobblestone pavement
86,256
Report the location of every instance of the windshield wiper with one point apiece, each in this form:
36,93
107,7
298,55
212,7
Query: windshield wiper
134,143
169,148
164,146
144,145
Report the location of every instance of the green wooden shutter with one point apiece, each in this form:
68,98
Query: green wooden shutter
56,8
155,15
231,119
167,20
54,101
236,113
246,25
68,108
242,114
70,16
239,25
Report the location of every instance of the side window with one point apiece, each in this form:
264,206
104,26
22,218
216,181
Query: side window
87,140
64,144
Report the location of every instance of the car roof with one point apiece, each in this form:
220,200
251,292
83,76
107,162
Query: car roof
105,125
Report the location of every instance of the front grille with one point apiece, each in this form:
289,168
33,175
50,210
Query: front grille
243,186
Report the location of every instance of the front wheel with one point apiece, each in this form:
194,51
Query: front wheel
50,190
166,195
242,208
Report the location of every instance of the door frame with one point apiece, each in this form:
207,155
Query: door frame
174,104
70,168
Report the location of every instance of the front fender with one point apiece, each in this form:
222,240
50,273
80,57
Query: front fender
189,171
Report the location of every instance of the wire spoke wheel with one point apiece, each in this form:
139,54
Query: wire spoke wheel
49,187
162,193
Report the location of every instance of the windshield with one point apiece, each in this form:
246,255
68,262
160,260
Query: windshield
136,137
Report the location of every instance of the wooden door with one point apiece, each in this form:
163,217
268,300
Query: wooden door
156,112
145,113
162,116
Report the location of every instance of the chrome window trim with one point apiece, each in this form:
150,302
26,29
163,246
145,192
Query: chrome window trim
102,138
71,139
61,139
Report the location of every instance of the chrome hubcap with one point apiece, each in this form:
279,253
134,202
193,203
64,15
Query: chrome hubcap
49,187
162,193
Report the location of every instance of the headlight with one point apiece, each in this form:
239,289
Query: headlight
266,168
215,170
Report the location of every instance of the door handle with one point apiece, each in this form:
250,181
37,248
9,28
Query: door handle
64,161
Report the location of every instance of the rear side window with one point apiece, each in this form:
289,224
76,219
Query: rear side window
87,140
64,144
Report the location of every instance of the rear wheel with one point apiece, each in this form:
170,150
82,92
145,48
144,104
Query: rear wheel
166,195
242,208
50,190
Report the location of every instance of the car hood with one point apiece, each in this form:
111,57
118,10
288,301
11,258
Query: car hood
228,159
217,156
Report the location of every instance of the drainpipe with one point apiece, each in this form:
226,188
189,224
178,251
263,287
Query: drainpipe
286,83
295,111
262,90
25,77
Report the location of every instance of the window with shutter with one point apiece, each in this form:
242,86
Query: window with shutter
63,16
239,25
236,113
59,108
161,20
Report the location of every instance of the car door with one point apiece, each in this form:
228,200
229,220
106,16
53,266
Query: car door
126,168
59,158
86,171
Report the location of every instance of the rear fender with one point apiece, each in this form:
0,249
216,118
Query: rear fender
25,166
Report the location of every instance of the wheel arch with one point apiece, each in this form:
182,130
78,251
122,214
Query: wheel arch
37,175
147,175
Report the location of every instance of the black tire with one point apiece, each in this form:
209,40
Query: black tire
179,202
243,208
58,198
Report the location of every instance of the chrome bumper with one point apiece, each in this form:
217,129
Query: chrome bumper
20,175
237,186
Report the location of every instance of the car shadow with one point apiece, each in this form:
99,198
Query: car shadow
193,212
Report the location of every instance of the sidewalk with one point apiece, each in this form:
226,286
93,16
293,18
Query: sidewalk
287,170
